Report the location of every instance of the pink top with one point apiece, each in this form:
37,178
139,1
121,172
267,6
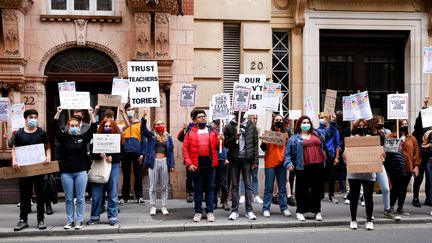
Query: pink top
312,152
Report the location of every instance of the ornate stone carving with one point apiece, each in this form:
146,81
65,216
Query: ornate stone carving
299,21
142,18
369,5
11,36
81,31
22,5
161,35
151,5
161,18
282,4
143,44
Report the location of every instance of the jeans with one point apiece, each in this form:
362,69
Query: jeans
423,170
204,183
159,171
382,179
308,189
329,170
98,190
221,183
254,179
244,166
280,174
26,192
131,159
189,182
354,195
74,184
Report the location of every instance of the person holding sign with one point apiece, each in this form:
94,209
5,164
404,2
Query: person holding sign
74,165
107,126
273,162
31,134
159,158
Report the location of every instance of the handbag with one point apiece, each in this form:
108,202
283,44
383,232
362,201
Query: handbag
100,171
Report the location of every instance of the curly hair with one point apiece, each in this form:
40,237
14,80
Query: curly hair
115,128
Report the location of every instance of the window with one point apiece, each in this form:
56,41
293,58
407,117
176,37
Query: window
281,65
81,7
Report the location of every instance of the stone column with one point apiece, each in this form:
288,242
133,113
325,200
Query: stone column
161,35
13,32
143,45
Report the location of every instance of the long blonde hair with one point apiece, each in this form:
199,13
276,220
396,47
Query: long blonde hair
164,136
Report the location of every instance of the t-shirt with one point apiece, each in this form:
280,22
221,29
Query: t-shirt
23,138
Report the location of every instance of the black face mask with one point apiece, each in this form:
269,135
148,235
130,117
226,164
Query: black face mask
403,129
379,126
362,131
202,124
278,124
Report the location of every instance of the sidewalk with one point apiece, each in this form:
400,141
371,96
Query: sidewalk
135,218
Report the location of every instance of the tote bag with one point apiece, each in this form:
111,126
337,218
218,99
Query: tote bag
99,171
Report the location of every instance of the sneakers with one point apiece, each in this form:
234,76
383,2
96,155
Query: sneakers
225,206
300,217
402,212
242,199
431,213
190,198
92,222
258,200
21,225
275,200
122,201
266,213
416,203
197,217
347,201
233,216
286,212
79,225
113,222
49,210
210,217
69,225
164,211
362,203
291,201
318,217
41,225
388,213
153,210
369,225
333,200
250,216
141,201
353,225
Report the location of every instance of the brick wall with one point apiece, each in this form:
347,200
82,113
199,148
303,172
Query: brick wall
188,8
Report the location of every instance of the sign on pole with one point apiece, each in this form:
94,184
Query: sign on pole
347,109
17,116
187,95
4,109
75,100
256,83
67,86
427,60
361,106
271,96
330,101
106,143
121,87
30,154
426,115
397,106
220,106
109,100
309,109
241,97
143,84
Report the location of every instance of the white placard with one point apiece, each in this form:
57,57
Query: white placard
256,83
75,100
427,59
347,109
271,95
17,116
143,84
121,87
309,109
67,86
361,106
397,106
241,97
106,143
426,115
220,106
187,95
30,154
391,145
4,109
294,114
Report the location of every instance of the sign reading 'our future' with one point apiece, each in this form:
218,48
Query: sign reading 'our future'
143,84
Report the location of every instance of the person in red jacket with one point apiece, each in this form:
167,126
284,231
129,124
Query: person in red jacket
200,154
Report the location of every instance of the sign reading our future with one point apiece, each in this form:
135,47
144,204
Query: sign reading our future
143,84
256,83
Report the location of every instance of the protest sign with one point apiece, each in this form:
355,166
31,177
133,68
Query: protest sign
121,87
241,97
397,106
66,87
17,116
309,109
294,114
29,170
330,101
220,108
4,109
363,154
427,59
364,141
75,100
391,145
143,84
347,109
278,138
361,106
106,143
187,95
109,100
30,154
271,96
426,115
256,83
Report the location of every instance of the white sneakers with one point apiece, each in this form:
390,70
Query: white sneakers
153,210
286,212
242,199
431,213
300,217
347,201
197,217
250,216
233,216
369,225
258,200
164,211
318,217
210,217
266,213
353,225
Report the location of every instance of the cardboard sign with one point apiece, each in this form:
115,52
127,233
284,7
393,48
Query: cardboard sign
4,109
30,154
271,96
309,109
67,86
220,106
364,159
426,115
362,141
427,59
361,106
187,95
392,145
75,100
143,84
109,100
330,101
294,114
278,138
106,143
241,97
256,83
17,116
347,109
121,87
29,170
397,106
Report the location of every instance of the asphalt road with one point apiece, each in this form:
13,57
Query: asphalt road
382,233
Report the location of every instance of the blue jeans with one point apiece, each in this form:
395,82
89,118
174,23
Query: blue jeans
203,181
382,180
254,179
279,173
97,195
74,184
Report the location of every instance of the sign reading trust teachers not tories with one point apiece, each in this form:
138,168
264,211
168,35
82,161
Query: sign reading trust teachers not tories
143,84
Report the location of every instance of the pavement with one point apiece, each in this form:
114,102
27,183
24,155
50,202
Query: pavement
135,218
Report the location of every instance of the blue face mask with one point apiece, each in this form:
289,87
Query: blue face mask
32,122
305,127
74,130
130,113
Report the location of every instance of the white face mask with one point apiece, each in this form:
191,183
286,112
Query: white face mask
130,113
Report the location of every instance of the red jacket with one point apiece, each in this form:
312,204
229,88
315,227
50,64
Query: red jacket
190,147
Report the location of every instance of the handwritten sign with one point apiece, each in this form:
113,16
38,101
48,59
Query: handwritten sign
187,95
294,114
426,115
271,96
106,143
17,116
309,109
220,106
75,100
330,101
347,109
241,97
30,154
427,59
256,84
361,106
66,87
29,170
121,87
392,145
109,100
278,138
363,154
143,84
397,106
4,109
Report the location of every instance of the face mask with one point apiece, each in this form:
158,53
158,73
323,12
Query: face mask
107,129
202,124
79,118
160,128
322,122
278,124
32,122
305,127
403,129
362,130
379,126
130,113
74,130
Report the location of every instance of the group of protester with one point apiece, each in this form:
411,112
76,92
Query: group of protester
218,158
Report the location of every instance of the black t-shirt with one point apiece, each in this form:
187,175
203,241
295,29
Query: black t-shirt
23,138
